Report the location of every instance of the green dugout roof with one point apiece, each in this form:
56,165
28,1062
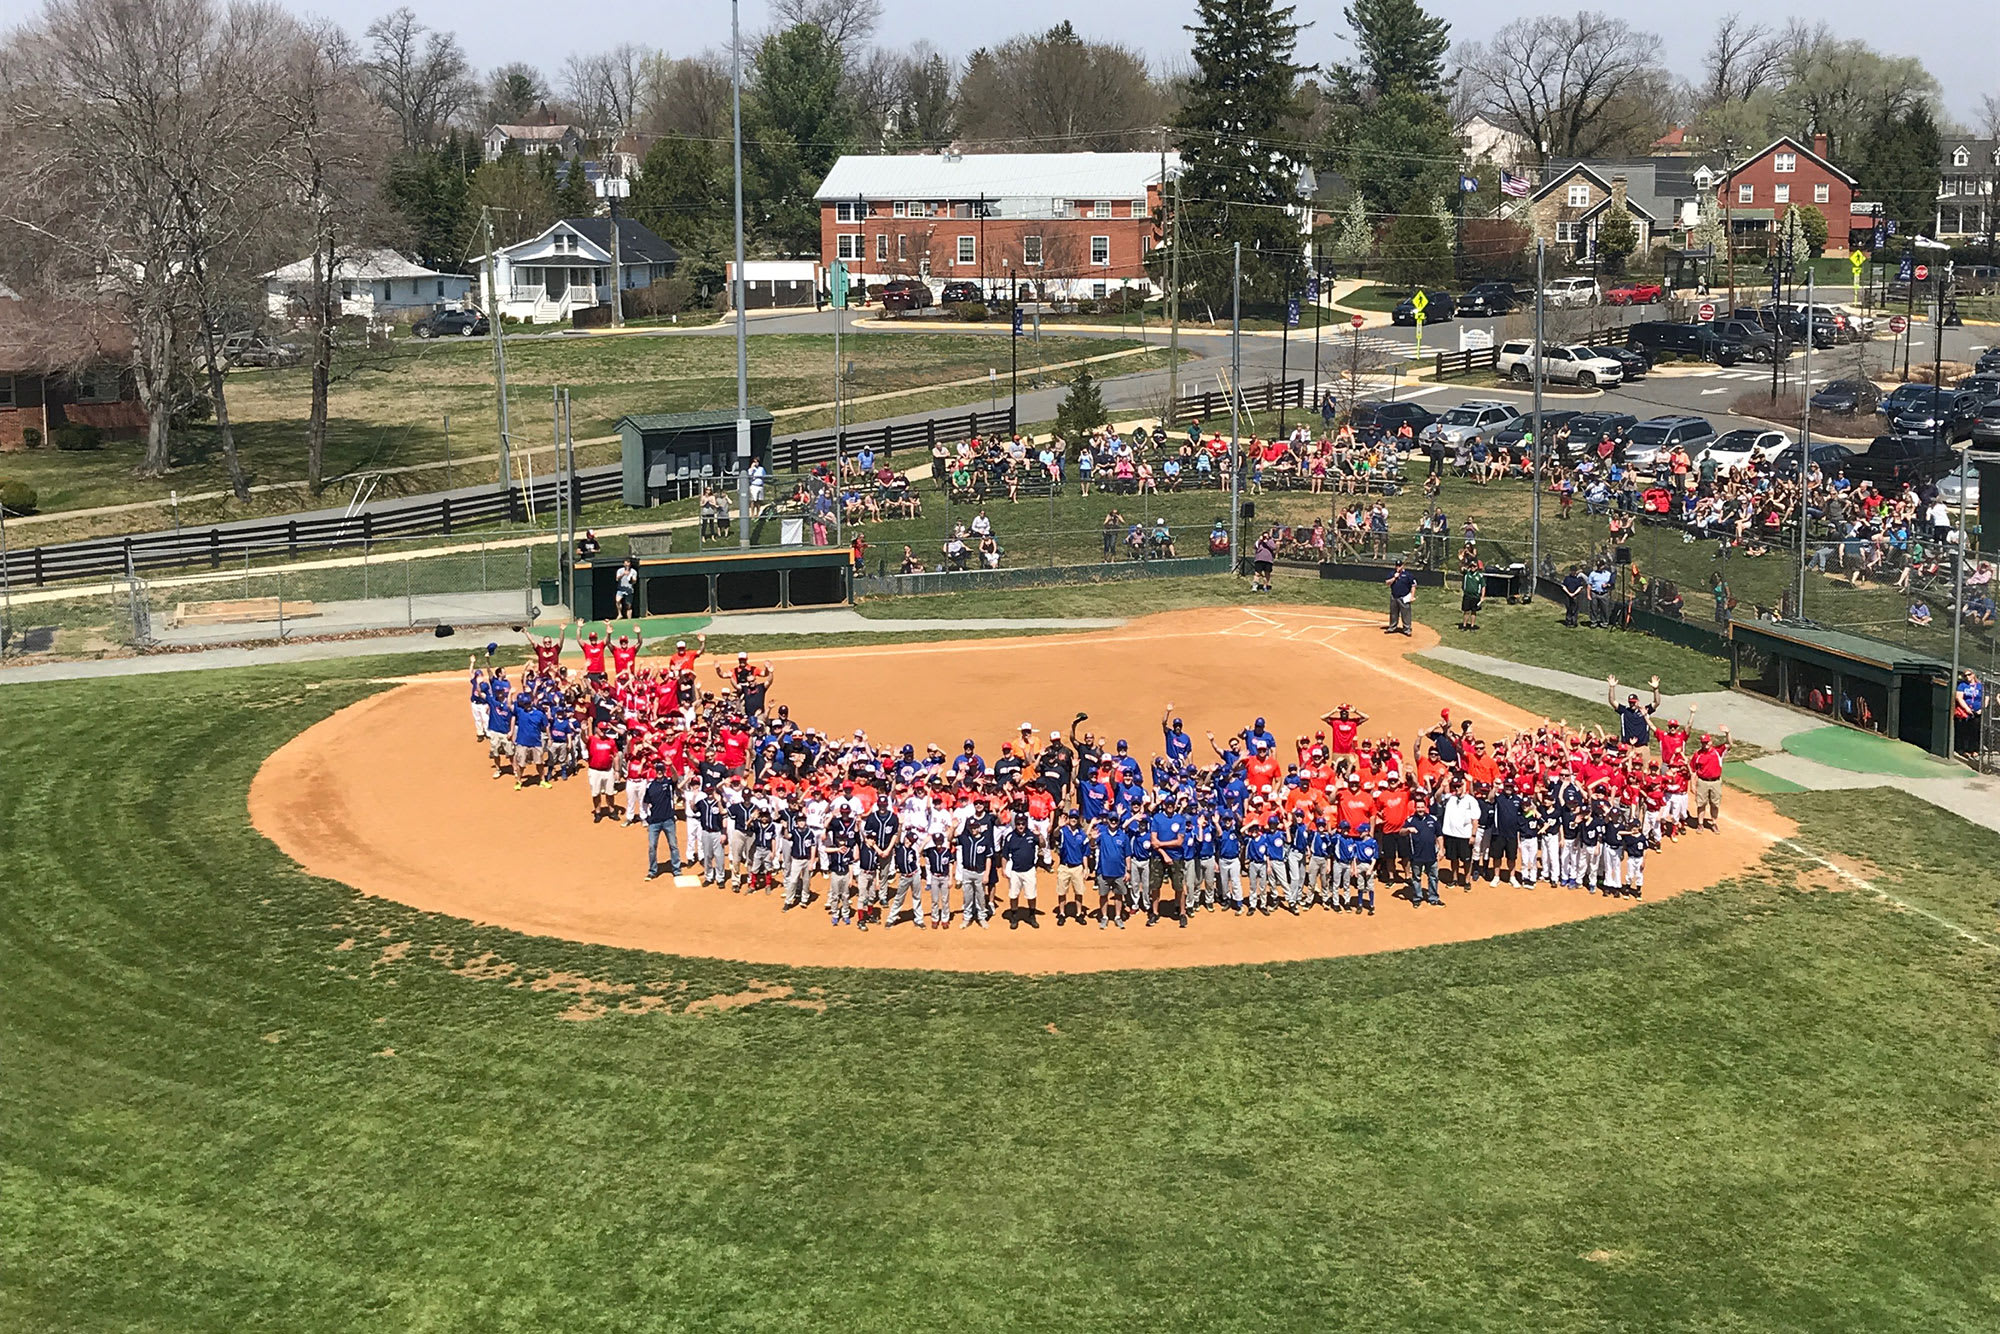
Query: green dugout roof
690,421
1836,649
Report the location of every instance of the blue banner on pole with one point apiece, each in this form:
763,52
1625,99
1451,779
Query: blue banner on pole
1017,321
1906,269
1292,312
1312,288
1892,226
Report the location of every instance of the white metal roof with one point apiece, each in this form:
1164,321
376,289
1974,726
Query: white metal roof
361,266
938,176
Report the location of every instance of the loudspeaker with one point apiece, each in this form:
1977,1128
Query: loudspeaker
1248,509
1621,556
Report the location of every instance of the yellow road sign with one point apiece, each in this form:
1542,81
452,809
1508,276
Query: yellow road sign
1418,302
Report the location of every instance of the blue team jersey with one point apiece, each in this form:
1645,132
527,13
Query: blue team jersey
1179,745
1112,851
529,721
499,716
1072,845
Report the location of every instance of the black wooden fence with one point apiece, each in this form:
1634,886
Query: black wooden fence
436,515
1465,363
1263,397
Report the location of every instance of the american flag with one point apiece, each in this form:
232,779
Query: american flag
1516,186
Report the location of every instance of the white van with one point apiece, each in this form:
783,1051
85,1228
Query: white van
1572,292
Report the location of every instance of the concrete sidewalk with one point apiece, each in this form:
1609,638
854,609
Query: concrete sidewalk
1774,728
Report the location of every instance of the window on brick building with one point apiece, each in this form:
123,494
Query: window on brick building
968,251
1100,250
1031,250
1579,194
1784,162
1746,194
1781,194
881,247
847,245
1822,194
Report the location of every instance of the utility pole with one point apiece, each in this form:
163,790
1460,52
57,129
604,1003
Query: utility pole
1312,291
612,189
1964,481
1540,446
1173,307
499,343
1235,401
1729,227
736,295
1805,452
1285,350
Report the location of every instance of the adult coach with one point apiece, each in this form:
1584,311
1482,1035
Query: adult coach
1707,766
1402,587
1635,726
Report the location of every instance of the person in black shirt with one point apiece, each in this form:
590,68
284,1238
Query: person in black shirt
1573,587
1020,851
1423,828
1055,768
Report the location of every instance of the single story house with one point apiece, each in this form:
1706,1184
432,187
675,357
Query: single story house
548,278
377,284
64,362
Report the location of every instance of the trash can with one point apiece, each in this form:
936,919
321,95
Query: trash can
1522,587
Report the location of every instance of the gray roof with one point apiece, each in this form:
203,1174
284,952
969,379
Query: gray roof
654,423
1653,186
1979,152
935,176
637,243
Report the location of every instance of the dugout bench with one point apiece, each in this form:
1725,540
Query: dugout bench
1908,695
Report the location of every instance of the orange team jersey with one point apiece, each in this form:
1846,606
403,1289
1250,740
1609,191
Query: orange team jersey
864,798
1261,773
1354,807
1479,768
1041,805
1394,807
593,655
1300,798
1428,771
683,661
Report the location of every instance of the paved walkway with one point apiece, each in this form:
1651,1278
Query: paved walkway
833,621
1784,732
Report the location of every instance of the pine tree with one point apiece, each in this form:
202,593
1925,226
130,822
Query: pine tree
1899,167
1391,132
796,122
1082,410
1239,184
1417,252
1402,49
1617,238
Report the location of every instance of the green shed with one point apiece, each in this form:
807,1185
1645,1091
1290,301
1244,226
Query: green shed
671,455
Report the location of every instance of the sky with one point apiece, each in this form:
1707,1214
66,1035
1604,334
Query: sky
1956,39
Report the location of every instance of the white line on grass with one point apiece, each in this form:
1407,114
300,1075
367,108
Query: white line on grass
1880,893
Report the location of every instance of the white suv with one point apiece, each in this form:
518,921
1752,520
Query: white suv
1471,420
1575,364
1572,292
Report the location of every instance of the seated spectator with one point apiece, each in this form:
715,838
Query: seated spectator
1920,612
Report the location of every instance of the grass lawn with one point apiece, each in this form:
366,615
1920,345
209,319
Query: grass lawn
1375,296
237,1096
389,407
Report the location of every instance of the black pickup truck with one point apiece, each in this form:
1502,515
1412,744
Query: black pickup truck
1891,460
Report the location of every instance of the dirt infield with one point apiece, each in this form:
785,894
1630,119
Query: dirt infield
393,797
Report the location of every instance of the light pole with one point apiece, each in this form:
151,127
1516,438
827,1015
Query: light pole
1535,454
1235,400
736,295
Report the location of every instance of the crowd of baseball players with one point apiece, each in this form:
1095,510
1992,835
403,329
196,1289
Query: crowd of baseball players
885,833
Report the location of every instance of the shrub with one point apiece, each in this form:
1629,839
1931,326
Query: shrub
972,311
31,437
17,497
668,296
77,437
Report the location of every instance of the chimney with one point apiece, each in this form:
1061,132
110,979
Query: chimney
1819,145
1618,189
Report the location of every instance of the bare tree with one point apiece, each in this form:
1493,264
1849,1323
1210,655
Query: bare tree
1844,88
1989,115
846,23
606,88
1743,58
106,103
1575,86
1056,90
333,142
688,96
420,75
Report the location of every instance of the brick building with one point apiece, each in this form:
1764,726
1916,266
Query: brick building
1762,188
1053,225
63,363
1570,205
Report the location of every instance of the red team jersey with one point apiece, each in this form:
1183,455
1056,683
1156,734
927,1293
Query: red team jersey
593,655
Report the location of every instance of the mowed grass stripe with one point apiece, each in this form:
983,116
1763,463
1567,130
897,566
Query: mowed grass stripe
1760,1107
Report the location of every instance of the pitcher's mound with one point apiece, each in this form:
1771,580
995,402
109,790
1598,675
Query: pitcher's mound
392,796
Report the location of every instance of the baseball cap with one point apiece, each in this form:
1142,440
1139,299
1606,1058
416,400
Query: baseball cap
742,657
680,643
1027,727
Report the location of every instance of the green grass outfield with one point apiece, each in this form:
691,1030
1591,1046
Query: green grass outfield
1758,1108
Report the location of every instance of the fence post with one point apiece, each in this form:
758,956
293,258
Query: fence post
292,537
364,571
409,604
444,513
367,529
930,433
281,603
38,566
215,548
482,565
528,583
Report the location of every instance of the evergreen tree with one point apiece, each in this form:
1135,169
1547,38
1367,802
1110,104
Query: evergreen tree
430,191
574,195
1417,251
1401,48
797,121
683,193
1899,167
1617,238
1390,133
1238,184
1082,410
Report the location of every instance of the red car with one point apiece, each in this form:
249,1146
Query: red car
1632,294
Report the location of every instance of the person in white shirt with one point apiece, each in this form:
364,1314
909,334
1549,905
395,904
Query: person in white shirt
1460,818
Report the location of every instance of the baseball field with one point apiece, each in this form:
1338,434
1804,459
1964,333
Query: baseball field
306,1024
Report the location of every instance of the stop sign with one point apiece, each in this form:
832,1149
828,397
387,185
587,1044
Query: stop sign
1707,311
1923,272
1356,321
1897,324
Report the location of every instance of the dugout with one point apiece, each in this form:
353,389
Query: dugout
668,455
707,582
1832,674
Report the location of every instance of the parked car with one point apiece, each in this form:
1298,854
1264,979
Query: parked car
1574,364
1511,434
1989,360
465,323
1981,384
960,291
1753,341
1637,293
1388,418
1986,425
1732,449
1649,441
1438,306
1572,292
1660,338
1850,397
1586,429
1940,412
1900,399
905,294
1948,487
1790,321
1830,457
1891,460
248,348
1632,360
1483,299
1474,419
